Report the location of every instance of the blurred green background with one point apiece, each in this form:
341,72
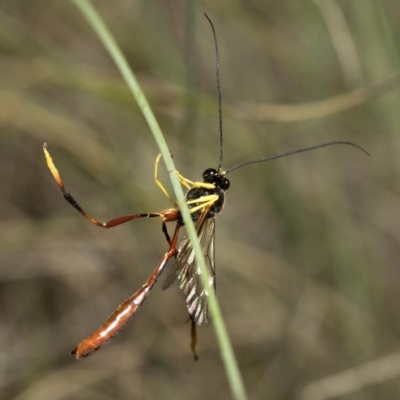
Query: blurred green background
307,246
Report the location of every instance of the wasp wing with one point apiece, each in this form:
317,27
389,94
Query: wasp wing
188,272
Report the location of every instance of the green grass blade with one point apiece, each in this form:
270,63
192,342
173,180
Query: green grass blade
228,357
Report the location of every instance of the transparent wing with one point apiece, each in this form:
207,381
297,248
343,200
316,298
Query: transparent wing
188,272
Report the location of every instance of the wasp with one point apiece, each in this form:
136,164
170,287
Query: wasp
205,200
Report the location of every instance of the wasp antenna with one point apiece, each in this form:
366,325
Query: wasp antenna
289,153
221,140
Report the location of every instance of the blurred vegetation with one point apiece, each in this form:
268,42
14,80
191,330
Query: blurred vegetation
307,246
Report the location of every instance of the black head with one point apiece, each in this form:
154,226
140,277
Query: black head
211,175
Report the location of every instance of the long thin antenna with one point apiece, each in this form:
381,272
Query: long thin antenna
289,153
221,140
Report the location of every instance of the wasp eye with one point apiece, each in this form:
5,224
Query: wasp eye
224,184
209,175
